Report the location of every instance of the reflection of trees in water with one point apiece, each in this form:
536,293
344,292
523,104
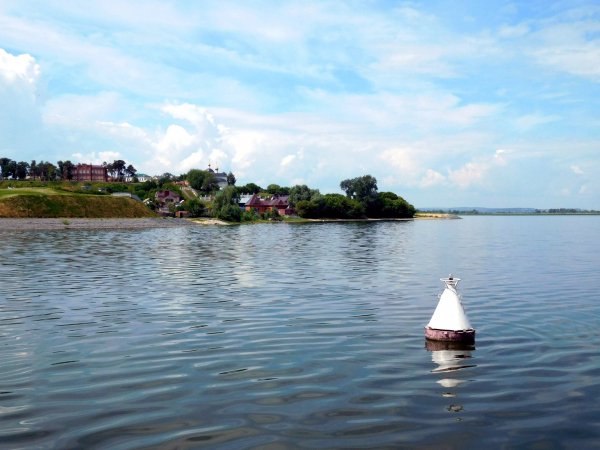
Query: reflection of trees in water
451,358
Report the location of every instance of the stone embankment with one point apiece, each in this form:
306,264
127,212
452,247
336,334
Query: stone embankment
63,224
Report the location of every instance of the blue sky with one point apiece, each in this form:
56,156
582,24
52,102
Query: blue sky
447,103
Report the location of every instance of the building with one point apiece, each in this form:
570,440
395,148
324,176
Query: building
141,177
89,172
221,176
278,201
127,195
167,197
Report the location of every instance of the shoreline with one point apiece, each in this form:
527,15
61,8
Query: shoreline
34,224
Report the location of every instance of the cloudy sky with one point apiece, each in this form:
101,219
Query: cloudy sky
447,103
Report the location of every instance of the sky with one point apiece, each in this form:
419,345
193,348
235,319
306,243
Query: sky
446,103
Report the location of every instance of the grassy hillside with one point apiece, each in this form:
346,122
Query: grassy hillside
40,202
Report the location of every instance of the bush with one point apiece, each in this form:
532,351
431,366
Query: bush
390,205
307,209
194,206
249,216
230,213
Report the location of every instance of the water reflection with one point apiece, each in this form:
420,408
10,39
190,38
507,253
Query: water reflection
451,358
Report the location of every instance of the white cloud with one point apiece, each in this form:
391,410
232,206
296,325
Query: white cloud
577,170
531,120
469,174
432,178
21,95
507,31
94,158
582,190
287,160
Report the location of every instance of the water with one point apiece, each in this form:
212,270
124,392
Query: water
300,336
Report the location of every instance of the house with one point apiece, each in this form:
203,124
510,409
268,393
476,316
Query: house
89,172
277,201
167,197
244,200
142,177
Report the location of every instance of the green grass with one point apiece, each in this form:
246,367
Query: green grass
40,202
5,193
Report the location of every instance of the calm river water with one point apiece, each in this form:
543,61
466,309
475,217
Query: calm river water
300,336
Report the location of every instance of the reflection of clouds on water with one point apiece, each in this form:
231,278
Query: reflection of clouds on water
451,359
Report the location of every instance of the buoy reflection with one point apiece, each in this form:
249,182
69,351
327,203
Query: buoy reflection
451,358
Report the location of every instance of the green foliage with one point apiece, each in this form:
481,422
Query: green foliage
273,189
117,187
249,216
307,209
228,196
201,180
302,192
250,188
230,213
336,206
231,179
195,207
361,188
390,205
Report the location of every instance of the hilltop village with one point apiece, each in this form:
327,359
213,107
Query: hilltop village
197,193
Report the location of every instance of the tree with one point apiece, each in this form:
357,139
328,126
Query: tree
195,178
302,192
251,188
65,170
131,171
119,167
362,188
210,182
273,189
194,206
231,179
34,170
225,205
4,163
21,170
307,209
390,205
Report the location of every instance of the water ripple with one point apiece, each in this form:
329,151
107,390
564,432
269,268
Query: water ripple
300,336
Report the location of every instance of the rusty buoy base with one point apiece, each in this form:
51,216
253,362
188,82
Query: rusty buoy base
450,336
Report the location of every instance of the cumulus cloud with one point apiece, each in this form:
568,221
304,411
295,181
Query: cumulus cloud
432,178
21,96
287,160
469,174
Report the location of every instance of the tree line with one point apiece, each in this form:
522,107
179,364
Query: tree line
361,200
62,170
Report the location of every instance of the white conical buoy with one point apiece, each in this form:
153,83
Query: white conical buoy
449,321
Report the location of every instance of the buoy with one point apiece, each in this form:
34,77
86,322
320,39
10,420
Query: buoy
449,321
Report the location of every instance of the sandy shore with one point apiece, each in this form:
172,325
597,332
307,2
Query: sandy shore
62,224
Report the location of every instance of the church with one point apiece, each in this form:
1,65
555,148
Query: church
221,177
